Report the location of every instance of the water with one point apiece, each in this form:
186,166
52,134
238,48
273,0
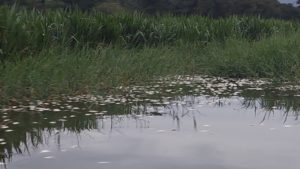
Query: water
187,122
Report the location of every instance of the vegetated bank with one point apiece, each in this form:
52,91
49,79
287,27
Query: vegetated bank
52,52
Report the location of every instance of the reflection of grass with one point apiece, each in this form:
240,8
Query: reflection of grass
271,101
34,129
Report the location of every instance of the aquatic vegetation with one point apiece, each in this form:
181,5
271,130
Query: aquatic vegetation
53,52
58,71
23,32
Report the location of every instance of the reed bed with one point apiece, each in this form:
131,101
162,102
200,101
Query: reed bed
29,31
46,53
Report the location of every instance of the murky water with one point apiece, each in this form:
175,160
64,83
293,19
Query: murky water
199,122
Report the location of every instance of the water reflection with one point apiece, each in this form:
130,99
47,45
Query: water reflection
24,128
272,101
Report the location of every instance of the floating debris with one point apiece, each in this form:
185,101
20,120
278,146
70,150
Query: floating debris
69,107
166,103
42,109
161,131
93,111
45,151
150,92
203,131
9,130
287,126
192,109
4,127
206,125
49,157
74,146
103,162
32,108
39,102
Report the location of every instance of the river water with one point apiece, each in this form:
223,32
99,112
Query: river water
184,122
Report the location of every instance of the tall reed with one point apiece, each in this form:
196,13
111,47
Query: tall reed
44,53
29,31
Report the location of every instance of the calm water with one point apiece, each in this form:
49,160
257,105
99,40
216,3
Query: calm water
191,123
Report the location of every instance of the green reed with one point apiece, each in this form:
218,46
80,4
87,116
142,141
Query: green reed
44,53
58,70
29,31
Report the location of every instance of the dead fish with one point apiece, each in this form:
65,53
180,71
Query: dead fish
49,157
155,114
45,151
103,162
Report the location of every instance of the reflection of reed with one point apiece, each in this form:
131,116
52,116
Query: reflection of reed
269,102
34,128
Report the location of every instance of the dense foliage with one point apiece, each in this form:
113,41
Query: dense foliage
217,8
25,32
49,52
213,8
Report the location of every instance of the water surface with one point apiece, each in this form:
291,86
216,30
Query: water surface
189,122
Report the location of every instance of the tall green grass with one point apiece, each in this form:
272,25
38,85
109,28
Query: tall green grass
59,70
46,53
276,57
29,31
